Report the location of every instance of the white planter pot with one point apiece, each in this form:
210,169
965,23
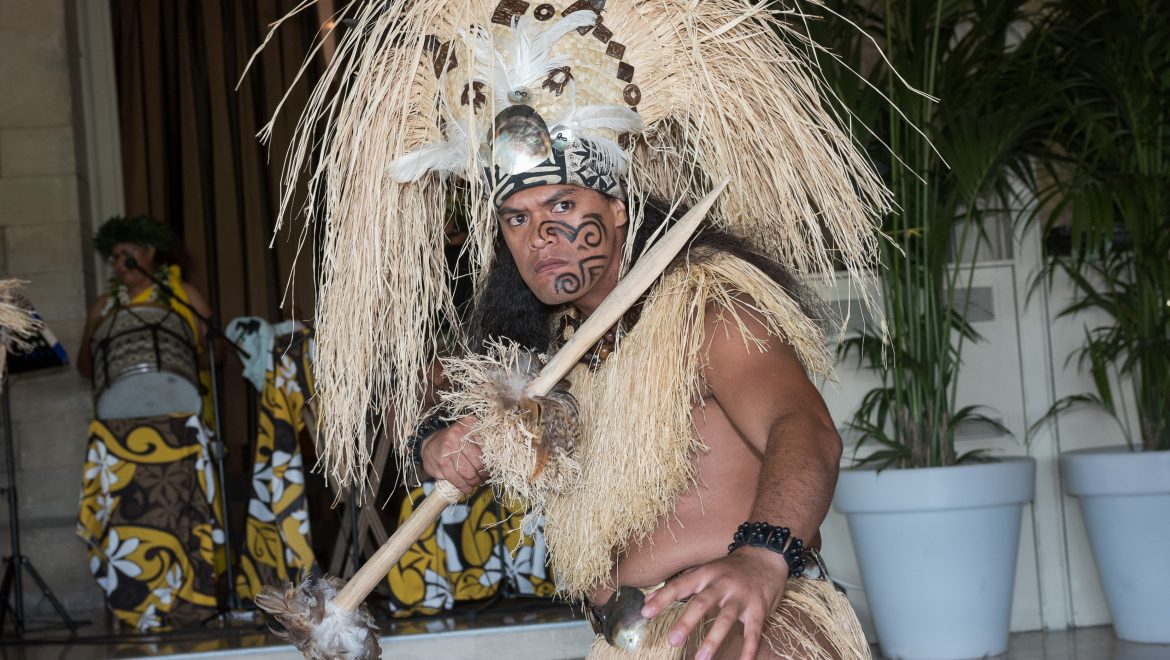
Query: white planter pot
937,548
1125,499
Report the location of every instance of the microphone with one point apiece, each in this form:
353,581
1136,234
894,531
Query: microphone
132,263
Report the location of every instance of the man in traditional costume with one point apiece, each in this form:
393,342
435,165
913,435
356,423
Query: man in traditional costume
574,132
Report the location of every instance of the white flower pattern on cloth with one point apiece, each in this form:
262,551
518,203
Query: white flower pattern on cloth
174,584
150,559
148,620
204,463
277,544
285,467
286,376
116,553
301,516
440,571
105,507
102,466
438,594
261,477
260,511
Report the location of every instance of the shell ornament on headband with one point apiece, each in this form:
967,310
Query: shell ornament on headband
425,100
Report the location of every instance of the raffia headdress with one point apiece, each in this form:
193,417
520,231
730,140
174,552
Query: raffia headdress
425,99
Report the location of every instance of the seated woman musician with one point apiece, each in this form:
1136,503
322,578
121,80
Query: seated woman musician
148,511
150,245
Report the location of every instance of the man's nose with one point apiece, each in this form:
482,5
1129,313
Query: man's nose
537,236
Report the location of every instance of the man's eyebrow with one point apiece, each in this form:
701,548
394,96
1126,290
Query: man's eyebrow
557,196
547,201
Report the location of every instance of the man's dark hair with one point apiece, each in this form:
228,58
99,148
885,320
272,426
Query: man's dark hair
507,308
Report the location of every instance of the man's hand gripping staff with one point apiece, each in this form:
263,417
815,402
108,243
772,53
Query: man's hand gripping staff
324,622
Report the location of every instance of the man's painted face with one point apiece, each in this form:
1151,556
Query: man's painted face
564,239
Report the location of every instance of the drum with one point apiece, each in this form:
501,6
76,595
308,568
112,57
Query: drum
144,364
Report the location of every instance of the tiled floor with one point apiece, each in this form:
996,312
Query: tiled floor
518,632
1082,644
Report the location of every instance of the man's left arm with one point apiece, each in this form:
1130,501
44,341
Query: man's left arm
771,402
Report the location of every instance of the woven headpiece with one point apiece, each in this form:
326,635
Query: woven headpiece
425,98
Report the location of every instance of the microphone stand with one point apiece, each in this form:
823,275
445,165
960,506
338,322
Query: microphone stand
218,448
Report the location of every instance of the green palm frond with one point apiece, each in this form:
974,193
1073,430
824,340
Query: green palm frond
1102,69
953,166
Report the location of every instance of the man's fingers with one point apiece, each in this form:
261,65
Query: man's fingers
716,634
465,468
694,613
674,589
752,630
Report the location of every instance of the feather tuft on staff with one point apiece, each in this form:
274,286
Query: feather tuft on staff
318,627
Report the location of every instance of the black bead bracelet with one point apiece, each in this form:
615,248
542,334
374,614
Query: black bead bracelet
776,539
429,427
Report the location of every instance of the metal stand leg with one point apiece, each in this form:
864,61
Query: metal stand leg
12,585
17,618
218,449
48,593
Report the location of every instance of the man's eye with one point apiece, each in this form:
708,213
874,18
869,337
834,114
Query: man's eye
516,220
562,207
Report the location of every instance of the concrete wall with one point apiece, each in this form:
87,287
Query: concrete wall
42,234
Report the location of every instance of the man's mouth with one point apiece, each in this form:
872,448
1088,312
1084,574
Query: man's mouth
548,265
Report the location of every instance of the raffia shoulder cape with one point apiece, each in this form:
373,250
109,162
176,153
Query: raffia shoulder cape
639,442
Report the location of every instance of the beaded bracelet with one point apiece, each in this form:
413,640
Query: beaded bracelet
429,427
776,539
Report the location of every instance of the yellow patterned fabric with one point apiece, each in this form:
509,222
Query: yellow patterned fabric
277,544
474,549
149,520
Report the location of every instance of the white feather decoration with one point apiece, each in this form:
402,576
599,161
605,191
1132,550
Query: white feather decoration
525,58
446,158
343,634
588,121
490,66
531,59
603,117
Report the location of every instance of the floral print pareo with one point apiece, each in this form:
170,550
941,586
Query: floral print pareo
149,518
474,550
277,543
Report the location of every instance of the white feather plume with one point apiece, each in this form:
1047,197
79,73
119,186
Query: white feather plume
603,117
526,57
531,59
446,158
588,121
491,67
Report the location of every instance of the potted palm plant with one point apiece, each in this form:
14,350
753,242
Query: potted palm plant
1104,70
937,533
